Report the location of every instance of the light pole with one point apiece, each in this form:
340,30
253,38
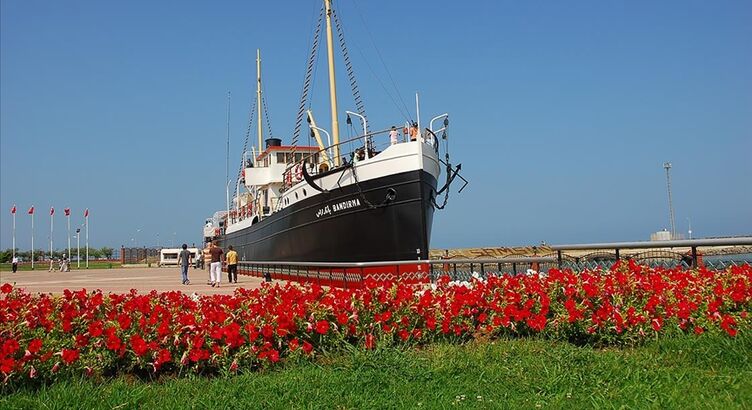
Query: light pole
328,140
689,231
78,247
667,167
365,129
172,244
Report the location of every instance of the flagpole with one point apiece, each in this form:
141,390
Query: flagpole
14,232
32,237
52,225
67,214
87,239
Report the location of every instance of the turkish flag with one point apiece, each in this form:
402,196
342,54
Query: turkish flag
67,211
86,213
31,210
52,211
13,210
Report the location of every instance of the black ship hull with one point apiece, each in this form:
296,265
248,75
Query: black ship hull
354,223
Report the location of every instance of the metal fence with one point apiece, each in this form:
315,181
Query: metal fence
134,256
712,253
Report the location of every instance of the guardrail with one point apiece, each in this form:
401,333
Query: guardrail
714,253
686,253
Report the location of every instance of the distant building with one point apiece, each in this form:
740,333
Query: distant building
663,235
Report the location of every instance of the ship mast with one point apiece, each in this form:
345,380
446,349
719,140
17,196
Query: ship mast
332,84
258,100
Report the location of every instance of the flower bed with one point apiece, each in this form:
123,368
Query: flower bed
44,337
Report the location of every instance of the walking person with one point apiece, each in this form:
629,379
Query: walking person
15,262
206,261
232,265
215,270
184,260
64,266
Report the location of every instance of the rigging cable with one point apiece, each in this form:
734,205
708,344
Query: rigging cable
406,112
349,68
308,79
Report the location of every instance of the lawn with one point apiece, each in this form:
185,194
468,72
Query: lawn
706,371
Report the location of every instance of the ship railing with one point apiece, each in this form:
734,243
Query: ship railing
355,274
357,148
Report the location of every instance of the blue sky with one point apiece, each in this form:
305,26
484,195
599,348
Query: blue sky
562,113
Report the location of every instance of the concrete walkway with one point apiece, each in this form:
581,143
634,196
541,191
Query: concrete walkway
122,280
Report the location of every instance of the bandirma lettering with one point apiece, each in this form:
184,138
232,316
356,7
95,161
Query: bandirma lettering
338,207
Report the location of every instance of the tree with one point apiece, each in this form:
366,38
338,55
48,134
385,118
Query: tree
107,252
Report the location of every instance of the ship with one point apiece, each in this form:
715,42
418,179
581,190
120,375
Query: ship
368,198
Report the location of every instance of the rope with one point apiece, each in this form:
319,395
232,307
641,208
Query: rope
247,137
308,79
349,68
406,112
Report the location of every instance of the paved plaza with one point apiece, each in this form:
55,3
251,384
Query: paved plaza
122,280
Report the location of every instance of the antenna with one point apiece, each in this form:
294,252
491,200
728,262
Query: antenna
667,167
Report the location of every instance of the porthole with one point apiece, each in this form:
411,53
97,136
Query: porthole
304,192
296,195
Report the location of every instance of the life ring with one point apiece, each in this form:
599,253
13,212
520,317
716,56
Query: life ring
298,172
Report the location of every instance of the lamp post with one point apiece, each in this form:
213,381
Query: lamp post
689,230
328,141
78,247
365,130
667,167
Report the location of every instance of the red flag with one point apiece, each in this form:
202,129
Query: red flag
31,210
67,211
86,213
13,210
52,211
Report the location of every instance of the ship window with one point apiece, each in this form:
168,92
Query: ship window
280,158
298,157
296,195
304,192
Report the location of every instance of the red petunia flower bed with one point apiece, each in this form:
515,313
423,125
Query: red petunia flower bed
44,337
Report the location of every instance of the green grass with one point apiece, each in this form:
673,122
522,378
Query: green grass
692,372
44,266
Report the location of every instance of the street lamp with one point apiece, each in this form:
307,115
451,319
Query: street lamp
78,247
689,222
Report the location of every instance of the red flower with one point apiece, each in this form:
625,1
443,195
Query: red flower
34,345
322,327
9,347
138,345
699,330
7,365
307,347
95,328
6,288
70,355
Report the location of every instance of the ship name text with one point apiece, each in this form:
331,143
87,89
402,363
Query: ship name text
338,207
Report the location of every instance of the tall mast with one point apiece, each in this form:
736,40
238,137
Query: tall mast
332,84
258,100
